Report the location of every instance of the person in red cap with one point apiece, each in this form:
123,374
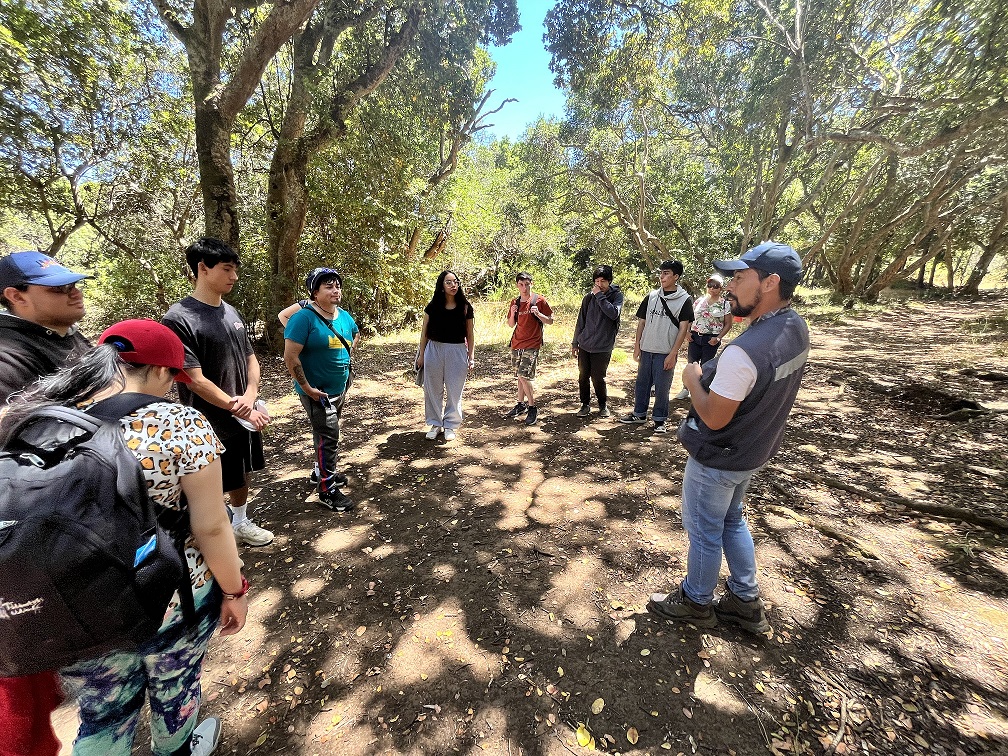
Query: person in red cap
38,335
179,453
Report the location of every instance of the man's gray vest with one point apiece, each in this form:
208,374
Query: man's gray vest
779,347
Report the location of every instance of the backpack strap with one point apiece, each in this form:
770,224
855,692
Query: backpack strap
337,334
174,521
668,312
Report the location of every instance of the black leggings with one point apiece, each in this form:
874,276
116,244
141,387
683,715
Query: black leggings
593,366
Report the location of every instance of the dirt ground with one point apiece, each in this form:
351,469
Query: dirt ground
487,596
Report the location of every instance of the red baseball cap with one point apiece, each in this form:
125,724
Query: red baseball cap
147,342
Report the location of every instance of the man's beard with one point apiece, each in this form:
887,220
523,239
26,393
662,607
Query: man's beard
743,312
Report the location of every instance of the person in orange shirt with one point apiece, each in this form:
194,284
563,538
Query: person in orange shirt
527,314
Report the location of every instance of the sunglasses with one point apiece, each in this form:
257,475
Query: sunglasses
65,288
713,285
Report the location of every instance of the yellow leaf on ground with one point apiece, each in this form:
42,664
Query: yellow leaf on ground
262,739
361,630
584,738
597,706
632,735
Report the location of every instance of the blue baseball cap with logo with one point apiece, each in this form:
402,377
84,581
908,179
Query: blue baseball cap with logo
35,269
770,257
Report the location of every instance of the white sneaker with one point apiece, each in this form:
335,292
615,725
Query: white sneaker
432,433
249,533
449,434
684,394
205,737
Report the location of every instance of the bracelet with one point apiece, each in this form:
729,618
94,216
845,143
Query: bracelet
245,585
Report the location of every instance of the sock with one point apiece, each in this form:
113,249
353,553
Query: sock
239,514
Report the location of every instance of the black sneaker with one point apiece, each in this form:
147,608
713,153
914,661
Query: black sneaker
632,418
678,607
313,478
584,411
533,415
749,615
336,502
604,412
661,427
518,410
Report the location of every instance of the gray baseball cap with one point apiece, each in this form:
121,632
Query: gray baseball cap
770,256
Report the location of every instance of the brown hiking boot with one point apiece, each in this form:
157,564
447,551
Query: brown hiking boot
749,615
678,607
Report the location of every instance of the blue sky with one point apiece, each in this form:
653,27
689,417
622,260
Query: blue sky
523,73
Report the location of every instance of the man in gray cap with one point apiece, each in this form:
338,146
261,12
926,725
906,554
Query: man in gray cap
741,402
38,331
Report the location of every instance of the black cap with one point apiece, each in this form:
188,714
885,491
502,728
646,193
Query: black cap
315,279
603,271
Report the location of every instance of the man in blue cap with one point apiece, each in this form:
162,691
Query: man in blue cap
38,331
741,403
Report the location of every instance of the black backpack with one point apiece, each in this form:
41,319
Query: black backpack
85,565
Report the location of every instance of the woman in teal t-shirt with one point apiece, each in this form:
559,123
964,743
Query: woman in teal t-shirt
318,340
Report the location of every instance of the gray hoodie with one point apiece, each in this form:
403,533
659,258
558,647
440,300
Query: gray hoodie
598,321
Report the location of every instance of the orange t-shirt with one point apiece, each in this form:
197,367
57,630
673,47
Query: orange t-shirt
528,333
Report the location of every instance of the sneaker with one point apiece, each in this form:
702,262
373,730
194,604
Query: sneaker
314,477
432,433
336,502
684,394
449,434
604,412
205,737
632,418
749,615
533,415
661,427
249,533
584,411
519,409
678,607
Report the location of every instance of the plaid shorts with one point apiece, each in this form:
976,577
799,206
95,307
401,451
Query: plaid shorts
524,362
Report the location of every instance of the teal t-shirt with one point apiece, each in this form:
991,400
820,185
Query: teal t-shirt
325,360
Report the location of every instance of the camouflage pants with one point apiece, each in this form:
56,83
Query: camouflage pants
111,689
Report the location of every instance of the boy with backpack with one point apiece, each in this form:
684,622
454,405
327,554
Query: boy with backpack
528,313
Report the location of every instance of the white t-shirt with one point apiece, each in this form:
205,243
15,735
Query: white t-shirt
736,374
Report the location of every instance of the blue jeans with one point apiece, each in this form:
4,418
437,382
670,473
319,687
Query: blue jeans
651,372
712,517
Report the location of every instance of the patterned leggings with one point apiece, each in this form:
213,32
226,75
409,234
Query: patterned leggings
110,690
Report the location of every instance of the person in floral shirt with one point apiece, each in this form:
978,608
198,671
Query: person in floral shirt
712,321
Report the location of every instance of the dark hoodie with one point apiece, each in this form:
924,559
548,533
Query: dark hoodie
598,321
29,351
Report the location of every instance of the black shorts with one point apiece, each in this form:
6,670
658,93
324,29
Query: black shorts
243,453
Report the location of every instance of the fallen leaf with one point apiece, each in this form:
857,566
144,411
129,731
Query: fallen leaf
560,671
645,652
597,706
632,735
261,740
584,738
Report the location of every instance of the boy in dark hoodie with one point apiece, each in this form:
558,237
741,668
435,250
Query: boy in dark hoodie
595,332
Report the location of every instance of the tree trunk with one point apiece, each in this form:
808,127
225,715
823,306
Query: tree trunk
220,198
997,241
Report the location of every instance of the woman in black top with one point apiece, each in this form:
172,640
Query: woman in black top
446,355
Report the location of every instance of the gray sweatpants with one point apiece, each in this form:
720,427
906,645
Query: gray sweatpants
446,367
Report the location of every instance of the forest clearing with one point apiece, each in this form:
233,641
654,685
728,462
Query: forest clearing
487,596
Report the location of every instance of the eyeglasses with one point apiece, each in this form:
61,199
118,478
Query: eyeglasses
713,285
65,288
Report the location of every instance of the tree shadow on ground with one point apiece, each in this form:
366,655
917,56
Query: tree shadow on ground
489,591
